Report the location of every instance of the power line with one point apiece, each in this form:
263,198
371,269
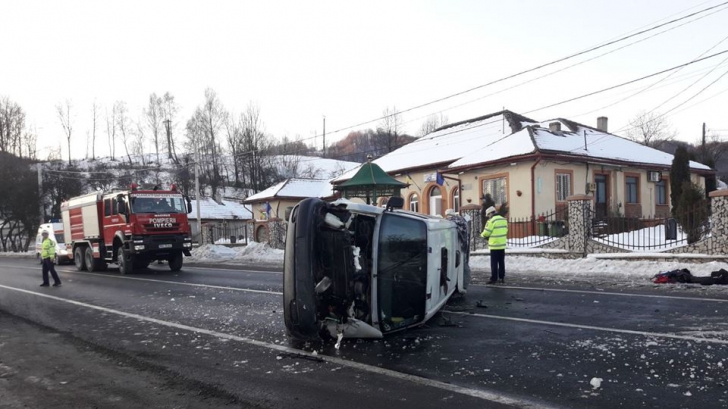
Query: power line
655,83
520,73
577,64
626,83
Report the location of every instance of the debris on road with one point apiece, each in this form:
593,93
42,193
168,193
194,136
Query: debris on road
596,383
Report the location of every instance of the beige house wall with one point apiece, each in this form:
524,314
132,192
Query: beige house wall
519,193
278,208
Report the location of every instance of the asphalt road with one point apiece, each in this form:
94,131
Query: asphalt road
521,348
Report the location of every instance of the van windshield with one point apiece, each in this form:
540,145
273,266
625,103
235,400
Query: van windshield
59,238
157,204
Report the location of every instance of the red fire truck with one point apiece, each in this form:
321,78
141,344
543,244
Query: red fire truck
130,228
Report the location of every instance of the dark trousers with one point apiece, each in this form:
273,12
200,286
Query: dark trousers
497,264
48,266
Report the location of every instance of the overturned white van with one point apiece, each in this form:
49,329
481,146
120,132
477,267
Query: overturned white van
358,271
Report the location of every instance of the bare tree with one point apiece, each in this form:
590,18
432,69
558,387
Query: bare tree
111,130
138,143
31,143
650,129
431,123
169,112
390,127
123,123
12,126
94,118
711,150
234,135
64,115
203,131
255,144
154,117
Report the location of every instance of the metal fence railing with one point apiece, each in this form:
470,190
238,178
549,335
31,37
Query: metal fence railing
222,234
525,231
652,233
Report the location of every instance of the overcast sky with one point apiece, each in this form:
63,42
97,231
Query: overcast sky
300,60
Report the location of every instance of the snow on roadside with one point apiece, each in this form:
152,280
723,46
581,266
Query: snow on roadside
252,253
594,267
21,254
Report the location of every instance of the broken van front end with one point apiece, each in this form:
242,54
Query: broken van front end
360,271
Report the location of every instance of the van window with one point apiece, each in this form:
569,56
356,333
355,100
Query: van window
107,207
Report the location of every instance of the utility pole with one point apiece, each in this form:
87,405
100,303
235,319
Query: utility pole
40,192
324,136
197,193
703,135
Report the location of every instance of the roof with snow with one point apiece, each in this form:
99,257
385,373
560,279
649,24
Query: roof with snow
507,135
572,139
450,142
294,189
225,210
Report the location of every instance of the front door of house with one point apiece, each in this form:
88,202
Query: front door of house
601,194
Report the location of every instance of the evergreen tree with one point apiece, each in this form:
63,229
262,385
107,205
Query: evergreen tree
692,212
679,175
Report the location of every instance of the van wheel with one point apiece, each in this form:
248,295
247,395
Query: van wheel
126,264
94,264
175,262
79,258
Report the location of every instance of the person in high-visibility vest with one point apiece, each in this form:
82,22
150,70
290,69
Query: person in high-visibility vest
496,231
47,254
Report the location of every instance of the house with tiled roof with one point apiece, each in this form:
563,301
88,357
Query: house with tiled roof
533,166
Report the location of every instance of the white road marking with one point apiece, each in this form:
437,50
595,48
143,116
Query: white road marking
220,287
476,393
592,292
234,269
594,328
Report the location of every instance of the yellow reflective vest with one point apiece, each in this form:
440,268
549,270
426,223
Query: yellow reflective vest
48,249
496,231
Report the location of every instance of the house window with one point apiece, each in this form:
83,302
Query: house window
414,204
435,201
661,188
563,186
497,189
456,199
632,189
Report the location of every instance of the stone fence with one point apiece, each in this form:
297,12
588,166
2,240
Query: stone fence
579,242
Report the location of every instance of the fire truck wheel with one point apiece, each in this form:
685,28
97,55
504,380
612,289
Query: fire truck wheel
94,264
126,264
79,259
175,262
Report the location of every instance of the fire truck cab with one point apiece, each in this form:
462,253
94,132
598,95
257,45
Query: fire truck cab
130,228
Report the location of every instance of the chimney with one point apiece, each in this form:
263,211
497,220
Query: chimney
602,124
555,127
